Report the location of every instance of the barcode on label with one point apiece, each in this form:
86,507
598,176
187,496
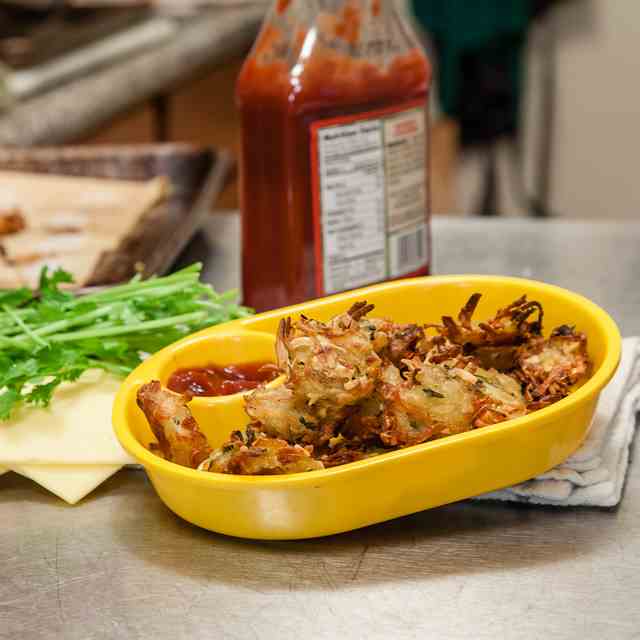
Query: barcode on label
408,251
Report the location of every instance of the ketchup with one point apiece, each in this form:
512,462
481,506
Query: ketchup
334,186
222,381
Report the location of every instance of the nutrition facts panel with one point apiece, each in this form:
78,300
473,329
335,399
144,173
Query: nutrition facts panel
371,200
352,200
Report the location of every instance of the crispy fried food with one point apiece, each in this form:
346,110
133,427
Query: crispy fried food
362,427
257,455
179,438
499,398
500,358
280,414
346,454
438,401
329,366
356,387
432,401
510,326
549,368
391,341
438,350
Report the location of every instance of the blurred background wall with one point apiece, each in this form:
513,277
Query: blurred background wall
597,107
580,97
534,112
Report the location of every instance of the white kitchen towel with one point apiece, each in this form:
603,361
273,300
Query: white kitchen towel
594,475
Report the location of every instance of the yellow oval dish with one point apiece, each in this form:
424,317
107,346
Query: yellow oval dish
394,484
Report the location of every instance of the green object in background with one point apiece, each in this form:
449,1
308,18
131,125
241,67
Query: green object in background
486,34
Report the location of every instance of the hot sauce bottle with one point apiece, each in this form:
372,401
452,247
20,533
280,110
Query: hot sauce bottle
334,168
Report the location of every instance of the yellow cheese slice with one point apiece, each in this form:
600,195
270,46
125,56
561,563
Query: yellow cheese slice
69,482
74,429
3,471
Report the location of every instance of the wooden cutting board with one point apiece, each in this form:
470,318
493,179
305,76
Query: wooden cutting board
104,213
68,222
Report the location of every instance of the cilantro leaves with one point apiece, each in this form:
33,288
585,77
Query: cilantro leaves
52,335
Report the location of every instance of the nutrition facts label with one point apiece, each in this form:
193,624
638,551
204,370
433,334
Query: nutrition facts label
371,198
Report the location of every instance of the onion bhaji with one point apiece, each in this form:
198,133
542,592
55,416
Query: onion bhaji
358,386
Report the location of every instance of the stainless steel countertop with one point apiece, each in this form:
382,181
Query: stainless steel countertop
120,565
598,259
83,105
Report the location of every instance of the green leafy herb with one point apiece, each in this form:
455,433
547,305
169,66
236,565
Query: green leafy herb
432,393
52,335
8,400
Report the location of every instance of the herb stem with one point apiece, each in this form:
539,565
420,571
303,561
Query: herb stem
63,325
25,328
116,369
187,318
190,274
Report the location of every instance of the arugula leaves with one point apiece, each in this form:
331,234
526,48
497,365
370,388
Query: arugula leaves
52,335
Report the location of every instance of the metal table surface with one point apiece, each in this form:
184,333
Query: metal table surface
120,565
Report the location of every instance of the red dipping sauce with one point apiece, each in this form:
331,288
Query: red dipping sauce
213,380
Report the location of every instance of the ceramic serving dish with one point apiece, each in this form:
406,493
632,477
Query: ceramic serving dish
393,484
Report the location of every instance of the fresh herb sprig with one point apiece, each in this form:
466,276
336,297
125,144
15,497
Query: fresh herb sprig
52,335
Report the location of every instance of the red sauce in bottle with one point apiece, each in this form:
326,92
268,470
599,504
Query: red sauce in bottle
213,380
294,238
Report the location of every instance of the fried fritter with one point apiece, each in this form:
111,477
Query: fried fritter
434,399
391,341
279,414
438,401
257,455
330,366
549,368
356,387
179,438
510,326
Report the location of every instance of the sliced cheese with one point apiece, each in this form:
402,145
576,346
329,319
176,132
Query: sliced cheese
69,482
74,429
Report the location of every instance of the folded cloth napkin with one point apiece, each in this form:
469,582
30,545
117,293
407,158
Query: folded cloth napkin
594,475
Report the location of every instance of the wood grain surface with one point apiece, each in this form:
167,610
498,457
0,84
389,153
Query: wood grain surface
196,174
